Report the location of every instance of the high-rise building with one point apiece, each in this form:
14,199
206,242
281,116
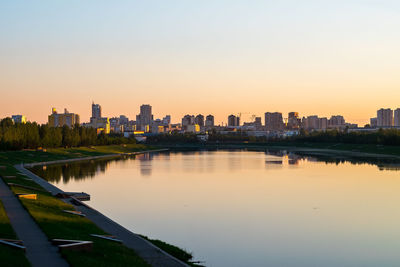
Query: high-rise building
145,118
273,121
294,121
123,120
102,124
257,122
322,123
311,122
373,122
59,120
385,117
199,120
336,121
233,120
396,121
188,120
210,121
18,118
96,110
166,120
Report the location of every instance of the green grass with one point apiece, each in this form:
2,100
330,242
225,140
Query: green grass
175,251
29,156
9,256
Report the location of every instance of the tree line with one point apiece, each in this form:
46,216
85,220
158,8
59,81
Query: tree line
390,137
380,137
31,135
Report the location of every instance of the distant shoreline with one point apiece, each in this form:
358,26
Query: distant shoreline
31,165
351,151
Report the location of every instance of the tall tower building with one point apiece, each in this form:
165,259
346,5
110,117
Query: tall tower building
336,121
274,121
199,119
233,120
385,117
294,121
210,121
188,120
96,111
145,117
396,121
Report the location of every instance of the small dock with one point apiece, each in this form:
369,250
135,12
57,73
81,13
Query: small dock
82,196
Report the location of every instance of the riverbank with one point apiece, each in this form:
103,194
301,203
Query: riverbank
350,150
48,210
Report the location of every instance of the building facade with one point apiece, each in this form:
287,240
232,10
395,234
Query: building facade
199,119
294,122
188,120
373,122
209,121
336,121
384,117
274,121
233,121
59,120
18,118
396,120
145,117
96,110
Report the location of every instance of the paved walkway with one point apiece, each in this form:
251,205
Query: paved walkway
146,250
39,251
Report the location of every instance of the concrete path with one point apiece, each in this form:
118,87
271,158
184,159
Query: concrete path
39,251
146,250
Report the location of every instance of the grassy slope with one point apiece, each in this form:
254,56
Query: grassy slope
28,156
175,251
9,256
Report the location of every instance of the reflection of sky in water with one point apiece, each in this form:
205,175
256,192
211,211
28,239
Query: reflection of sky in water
251,208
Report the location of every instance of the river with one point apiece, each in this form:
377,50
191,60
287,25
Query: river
249,208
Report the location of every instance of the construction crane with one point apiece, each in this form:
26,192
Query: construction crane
253,116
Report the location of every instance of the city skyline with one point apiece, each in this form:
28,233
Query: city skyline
245,117
213,57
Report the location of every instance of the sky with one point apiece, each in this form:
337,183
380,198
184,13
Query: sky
217,57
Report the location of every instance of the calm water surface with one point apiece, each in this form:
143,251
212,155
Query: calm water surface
240,208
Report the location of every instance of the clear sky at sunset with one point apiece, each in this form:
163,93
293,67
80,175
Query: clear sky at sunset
211,57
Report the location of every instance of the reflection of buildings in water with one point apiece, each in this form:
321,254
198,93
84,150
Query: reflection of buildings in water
311,159
293,159
145,168
274,163
145,163
165,155
389,167
278,153
145,156
234,161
